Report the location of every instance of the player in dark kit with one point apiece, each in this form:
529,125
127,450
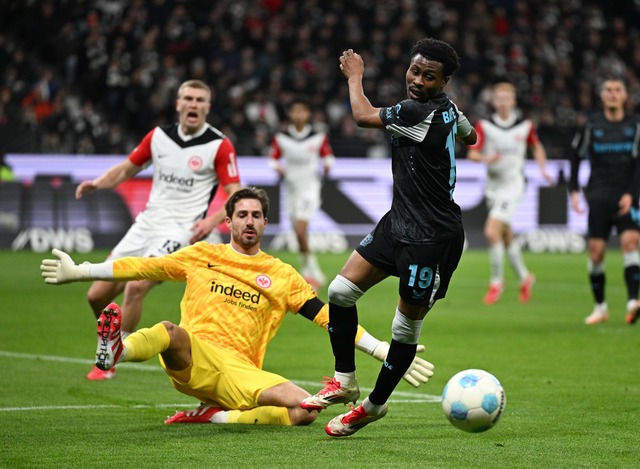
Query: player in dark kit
611,142
420,240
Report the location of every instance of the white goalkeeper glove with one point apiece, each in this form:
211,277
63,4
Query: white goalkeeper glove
63,270
418,373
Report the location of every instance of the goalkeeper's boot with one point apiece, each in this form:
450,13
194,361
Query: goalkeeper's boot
96,374
599,314
493,294
349,423
332,393
202,414
110,346
633,312
525,288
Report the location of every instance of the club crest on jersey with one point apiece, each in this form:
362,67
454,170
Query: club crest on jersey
263,281
195,163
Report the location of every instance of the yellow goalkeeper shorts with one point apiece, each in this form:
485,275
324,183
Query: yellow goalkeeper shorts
220,378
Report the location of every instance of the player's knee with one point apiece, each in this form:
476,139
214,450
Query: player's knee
492,235
136,290
301,417
133,290
344,293
405,330
173,330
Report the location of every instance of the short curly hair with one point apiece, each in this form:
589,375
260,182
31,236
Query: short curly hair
440,51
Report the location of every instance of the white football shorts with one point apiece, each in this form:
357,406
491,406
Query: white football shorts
502,203
303,202
140,241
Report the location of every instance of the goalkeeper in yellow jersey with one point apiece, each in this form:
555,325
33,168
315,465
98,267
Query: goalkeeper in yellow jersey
235,299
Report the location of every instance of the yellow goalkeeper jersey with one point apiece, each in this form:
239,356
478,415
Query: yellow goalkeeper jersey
234,301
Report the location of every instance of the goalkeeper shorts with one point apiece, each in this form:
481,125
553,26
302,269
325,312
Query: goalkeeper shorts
220,378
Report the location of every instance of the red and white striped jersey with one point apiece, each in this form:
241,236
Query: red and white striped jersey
510,140
302,152
187,170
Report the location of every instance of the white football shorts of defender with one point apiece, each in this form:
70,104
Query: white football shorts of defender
147,240
502,201
303,199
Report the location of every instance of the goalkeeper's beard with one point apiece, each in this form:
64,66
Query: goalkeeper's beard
249,240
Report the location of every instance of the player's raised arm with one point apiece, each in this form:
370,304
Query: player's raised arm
365,115
111,178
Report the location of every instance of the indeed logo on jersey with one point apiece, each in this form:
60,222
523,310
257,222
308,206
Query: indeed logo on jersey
171,178
233,292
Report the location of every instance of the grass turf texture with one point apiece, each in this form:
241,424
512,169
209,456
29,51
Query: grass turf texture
572,390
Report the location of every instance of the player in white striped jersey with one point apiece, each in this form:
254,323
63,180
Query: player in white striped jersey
502,145
190,160
304,151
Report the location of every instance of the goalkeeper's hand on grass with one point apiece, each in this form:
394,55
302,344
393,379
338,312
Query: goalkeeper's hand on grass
63,269
419,371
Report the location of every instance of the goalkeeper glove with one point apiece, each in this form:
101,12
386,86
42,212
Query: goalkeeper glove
419,371
63,270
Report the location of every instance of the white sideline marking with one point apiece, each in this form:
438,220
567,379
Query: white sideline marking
80,361
409,397
97,406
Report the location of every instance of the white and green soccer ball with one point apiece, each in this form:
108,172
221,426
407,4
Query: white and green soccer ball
473,400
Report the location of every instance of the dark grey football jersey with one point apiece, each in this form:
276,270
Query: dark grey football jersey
612,149
423,137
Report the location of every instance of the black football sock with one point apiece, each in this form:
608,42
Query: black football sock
632,279
597,287
343,327
393,369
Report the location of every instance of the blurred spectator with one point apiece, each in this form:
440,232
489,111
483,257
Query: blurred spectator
58,129
349,140
262,112
122,60
41,95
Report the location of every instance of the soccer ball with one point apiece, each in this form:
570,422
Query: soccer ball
473,400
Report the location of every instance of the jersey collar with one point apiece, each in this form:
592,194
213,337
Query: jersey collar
186,138
302,134
508,122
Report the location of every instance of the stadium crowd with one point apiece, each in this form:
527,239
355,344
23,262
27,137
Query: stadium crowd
92,76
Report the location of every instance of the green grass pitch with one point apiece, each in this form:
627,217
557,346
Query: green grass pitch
573,391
